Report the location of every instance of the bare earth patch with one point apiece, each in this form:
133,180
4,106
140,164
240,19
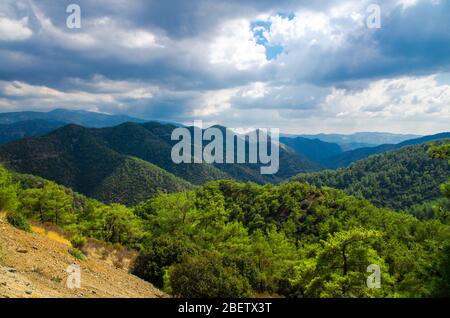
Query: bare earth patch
33,265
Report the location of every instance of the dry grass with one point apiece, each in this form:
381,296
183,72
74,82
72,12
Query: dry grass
51,235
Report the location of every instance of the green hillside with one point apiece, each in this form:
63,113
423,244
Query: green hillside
234,239
346,158
28,128
314,149
73,157
397,179
230,239
102,163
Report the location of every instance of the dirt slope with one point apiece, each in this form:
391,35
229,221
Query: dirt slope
33,265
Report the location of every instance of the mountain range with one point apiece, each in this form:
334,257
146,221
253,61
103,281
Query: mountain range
360,139
346,158
127,163
131,162
27,128
332,156
78,117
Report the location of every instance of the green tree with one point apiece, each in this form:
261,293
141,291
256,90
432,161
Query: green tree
206,276
441,286
120,225
158,254
339,269
8,192
49,204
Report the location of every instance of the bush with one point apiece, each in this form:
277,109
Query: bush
77,254
207,277
78,241
56,279
18,221
8,191
157,255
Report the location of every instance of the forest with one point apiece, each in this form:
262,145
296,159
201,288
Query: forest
397,179
233,239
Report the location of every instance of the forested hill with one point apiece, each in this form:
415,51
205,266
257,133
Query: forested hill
397,179
127,163
346,158
231,239
27,128
73,157
314,149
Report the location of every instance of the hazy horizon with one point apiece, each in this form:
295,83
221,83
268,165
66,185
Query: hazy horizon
238,128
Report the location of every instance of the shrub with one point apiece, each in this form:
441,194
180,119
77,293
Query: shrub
78,241
158,254
77,254
18,221
56,279
207,277
8,191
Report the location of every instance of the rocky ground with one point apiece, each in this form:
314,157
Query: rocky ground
33,265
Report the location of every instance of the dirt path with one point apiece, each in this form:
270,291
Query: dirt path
32,265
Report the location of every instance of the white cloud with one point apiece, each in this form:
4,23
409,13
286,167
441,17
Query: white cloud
14,30
406,104
255,90
214,102
327,29
235,46
75,41
87,97
101,36
139,39
407,3
404,97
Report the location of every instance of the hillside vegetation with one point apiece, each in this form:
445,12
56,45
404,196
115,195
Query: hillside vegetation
127,163
231,239
313,149
398,179
28,128
294,240
73,157
346,158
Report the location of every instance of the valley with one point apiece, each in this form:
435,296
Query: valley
88,195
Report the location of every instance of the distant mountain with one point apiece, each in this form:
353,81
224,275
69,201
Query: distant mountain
27,128
78,117
346,158
313,149
151,142
397,179
127,163
358,140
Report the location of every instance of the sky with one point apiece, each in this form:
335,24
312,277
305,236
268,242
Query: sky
300,66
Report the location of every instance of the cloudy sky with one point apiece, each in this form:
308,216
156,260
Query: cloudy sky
301,66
